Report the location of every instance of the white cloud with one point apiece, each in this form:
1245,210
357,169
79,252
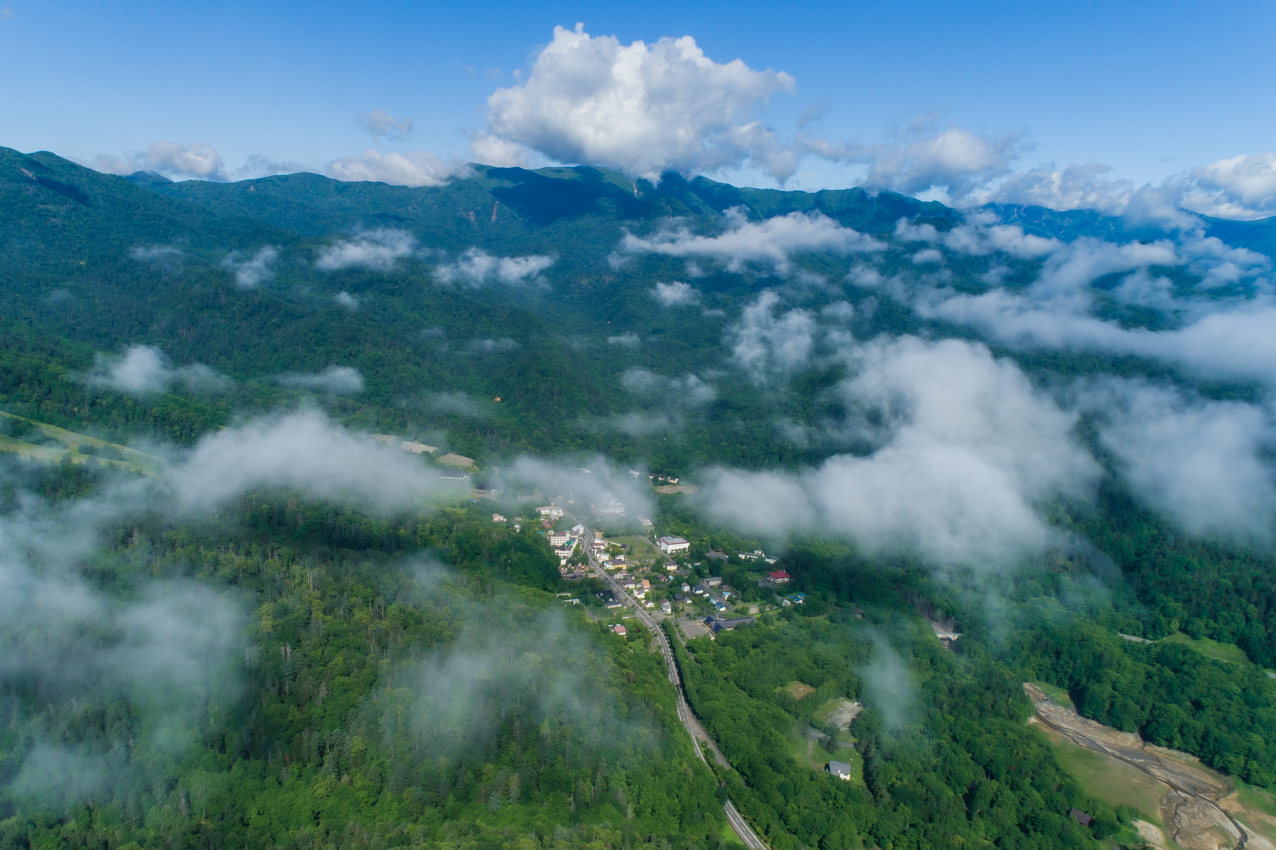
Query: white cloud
144,370
675,294
642,109
502,153
253,271
771,241
953,160
148,253
687,391
476,267
1201,462
586,479
763,342
306,451
624,340
967,448
378,250
345,299
383,125
338,380
927,255
196,161
489,346
411,168
1243,187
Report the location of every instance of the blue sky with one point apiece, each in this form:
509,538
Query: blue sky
1152,91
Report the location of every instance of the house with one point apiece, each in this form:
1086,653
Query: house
646,523
670,545
671,566
618,629
713,581
1080,817
666,607
498,517
842,770
551,511
797,598
779,577
646,584
686,588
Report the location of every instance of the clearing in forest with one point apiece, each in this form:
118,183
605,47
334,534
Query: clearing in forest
798,690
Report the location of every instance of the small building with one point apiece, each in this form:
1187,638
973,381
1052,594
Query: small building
842,770
798,598
550,511
646,523
618,629
686,588
670,545
498,517
666,607
713,581
1081,817
726,624
558,538
779,577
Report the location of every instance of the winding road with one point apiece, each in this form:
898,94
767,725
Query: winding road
697,732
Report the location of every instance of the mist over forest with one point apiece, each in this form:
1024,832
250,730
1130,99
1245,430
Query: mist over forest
272,572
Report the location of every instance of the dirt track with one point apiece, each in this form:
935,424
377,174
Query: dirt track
1199,804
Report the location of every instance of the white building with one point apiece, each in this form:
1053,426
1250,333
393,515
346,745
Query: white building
550,511
558,538
670,545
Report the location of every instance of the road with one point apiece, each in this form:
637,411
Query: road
697,732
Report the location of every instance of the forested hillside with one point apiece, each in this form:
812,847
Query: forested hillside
271,572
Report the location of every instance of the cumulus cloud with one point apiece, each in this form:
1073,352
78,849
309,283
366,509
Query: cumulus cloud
254,270
1203,463
1243,187
337,380
954,160
305,451
965,449
345,299
641,109
196,161
772,241
502,153
765,341
144,370
675,294
383,125
476,267
1211,337
411,168
378,250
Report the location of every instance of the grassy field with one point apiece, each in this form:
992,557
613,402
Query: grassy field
638,548
798,690
1107,779
66,444
816,757
1057,695
1212,648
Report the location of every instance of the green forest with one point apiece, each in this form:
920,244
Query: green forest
330,652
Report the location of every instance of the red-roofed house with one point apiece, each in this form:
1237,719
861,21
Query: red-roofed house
779,577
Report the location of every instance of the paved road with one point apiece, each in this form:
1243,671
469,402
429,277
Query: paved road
697,732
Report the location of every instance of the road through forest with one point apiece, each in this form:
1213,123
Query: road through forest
697,732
